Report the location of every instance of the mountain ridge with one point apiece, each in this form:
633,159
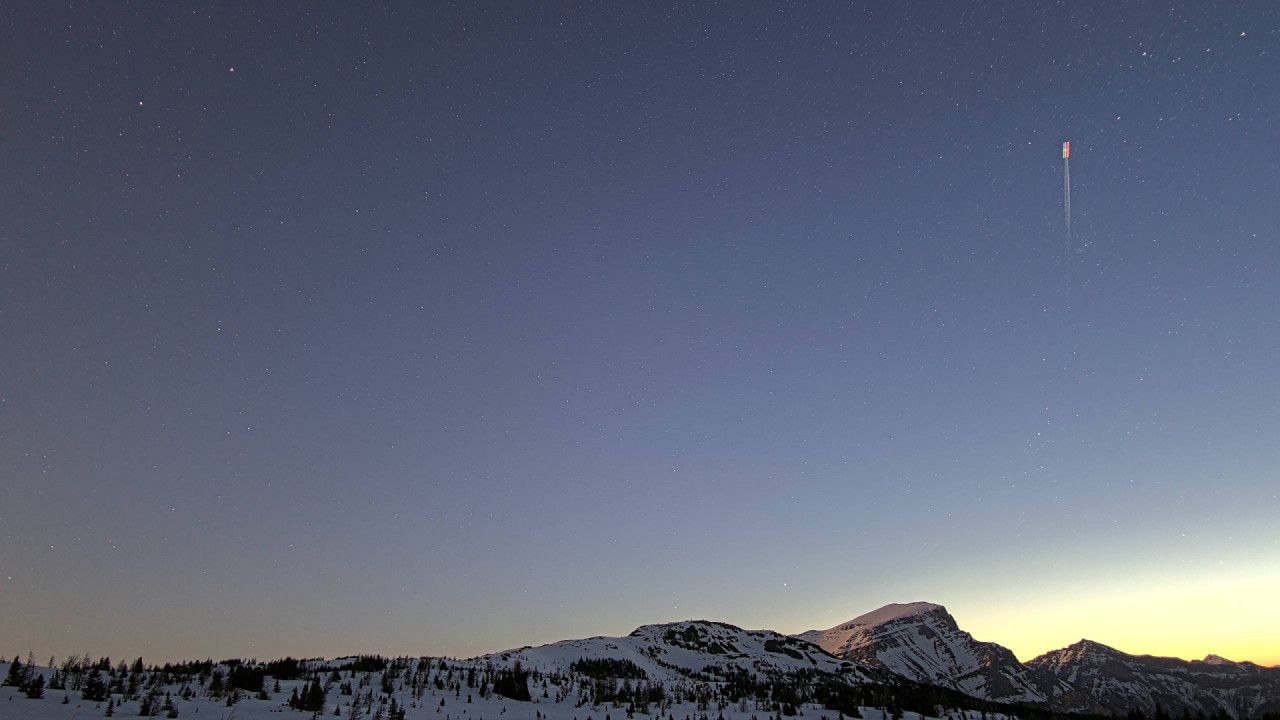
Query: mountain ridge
1119,682
879,665
921,641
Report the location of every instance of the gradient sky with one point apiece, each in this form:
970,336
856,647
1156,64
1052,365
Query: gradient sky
444,328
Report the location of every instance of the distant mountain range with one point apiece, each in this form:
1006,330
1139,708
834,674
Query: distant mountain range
901,662
1113,680
922,642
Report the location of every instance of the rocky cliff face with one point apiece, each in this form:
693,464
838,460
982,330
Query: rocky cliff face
922,642
1118,682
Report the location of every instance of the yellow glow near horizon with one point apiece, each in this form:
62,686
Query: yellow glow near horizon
1227,611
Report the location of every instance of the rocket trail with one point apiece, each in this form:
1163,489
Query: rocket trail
1066,188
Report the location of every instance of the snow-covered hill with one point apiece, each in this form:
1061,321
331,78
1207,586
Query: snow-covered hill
922,642
692,649
876,666
682,671
1120,682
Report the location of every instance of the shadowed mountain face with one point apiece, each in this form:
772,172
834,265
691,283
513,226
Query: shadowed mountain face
1118,682
922,642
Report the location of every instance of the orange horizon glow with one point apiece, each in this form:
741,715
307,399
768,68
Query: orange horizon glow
1220,611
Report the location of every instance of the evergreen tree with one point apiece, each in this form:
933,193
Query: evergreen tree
14,676
512,683
30,670
215,684
35,688
94,690
316,700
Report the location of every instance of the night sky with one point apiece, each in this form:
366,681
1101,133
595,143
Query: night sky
447,328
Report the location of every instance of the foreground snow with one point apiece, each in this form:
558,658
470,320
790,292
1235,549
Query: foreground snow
52,708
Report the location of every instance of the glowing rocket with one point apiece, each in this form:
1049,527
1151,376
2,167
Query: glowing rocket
1066,188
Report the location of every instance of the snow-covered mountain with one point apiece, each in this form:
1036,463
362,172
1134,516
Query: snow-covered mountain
922,642
694,648
692,669
1119,682
876,666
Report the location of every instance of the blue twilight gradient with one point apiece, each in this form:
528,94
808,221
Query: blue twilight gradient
452,328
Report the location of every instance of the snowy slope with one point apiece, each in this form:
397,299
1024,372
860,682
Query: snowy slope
1120,682
439,689
693,670
691,648
921,641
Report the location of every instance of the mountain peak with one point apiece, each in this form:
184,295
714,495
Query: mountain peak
1087,645
1083,648
1116,682
894,611
922,642
656,629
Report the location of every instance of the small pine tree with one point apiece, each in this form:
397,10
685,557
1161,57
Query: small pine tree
315,701
14,676
28,673
35,688
215,684
94,690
